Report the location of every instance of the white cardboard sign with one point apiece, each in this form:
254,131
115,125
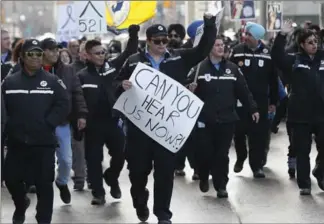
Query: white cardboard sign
67,23
91,17
162,108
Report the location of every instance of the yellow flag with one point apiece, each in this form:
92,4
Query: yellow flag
121,14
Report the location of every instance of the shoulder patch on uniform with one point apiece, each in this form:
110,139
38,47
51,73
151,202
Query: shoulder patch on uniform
61,83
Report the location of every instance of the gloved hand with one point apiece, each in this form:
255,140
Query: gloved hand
209,19
133,30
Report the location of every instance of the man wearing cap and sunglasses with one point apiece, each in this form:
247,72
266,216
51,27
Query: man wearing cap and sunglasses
36,102
78,112
102,124
141,150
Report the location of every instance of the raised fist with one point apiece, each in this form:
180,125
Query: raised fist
133,29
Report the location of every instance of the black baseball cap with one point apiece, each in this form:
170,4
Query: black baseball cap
31,44
49,43
156,30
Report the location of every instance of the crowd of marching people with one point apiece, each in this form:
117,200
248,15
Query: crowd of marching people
57,102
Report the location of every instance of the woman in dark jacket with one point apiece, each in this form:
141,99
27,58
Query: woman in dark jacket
16,57
305,74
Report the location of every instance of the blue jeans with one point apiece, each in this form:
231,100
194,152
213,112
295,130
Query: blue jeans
64,154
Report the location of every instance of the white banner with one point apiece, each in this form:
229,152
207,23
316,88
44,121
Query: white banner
91,17
200,29
161,107
67,24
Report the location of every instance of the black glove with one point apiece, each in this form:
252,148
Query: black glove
209,21
133,30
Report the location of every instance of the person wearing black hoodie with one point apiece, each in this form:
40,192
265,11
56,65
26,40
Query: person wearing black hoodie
102,124
304,70
36,102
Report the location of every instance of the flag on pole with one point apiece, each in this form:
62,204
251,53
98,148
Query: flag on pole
121,14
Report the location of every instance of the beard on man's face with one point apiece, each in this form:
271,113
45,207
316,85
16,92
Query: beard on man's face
174,44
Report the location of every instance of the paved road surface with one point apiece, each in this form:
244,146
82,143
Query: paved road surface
272,200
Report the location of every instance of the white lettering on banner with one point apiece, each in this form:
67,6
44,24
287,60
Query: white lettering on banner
161,107
200,29
67,27
91,17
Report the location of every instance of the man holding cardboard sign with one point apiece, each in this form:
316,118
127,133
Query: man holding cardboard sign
142,150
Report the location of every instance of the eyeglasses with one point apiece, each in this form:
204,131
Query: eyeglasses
159,41
312,42
99,53
34,54
173,35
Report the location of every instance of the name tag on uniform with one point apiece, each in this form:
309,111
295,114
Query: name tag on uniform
247,62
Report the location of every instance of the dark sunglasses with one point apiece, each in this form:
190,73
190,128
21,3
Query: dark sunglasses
34,54
312,42
99,53
173,35
159,41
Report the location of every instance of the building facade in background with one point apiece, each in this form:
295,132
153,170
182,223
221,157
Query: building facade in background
28,18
